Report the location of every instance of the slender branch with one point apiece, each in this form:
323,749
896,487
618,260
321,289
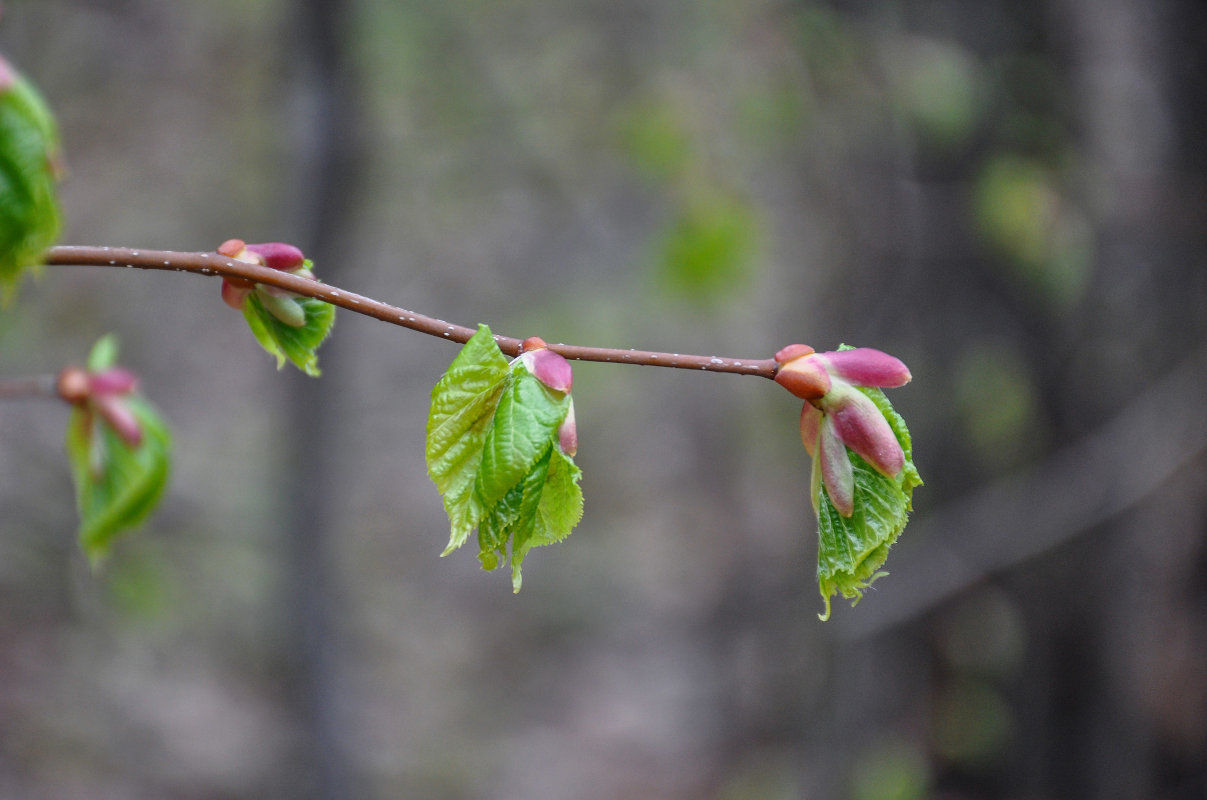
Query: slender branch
20,388
215,264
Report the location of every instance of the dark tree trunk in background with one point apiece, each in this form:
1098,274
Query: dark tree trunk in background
322,123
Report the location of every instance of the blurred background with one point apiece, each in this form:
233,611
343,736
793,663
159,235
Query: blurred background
1009,195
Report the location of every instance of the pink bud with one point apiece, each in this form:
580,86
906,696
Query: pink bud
863,428
550,368
233,293
115,381
278,255
804,376
866,366
836,471
810,427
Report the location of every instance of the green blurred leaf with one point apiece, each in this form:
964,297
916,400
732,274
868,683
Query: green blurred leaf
709,249
852,549
1045,240
492,452
972,724
103,354
895,770
117,485
298,344
29,167
937,86
655,140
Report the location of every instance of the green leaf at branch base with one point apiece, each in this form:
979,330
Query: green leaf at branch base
851,550
297,344
492,451
29,170
116,485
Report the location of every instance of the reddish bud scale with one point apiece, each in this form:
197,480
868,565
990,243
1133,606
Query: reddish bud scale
114,381
278,255
120,418
532,343
792,351
232,248
550,368
72,385
805,377
836,471
567,433
865,366
863,428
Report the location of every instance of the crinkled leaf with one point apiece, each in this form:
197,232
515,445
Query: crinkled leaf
116,485
29,208
297,344
492,450
462,410
852,549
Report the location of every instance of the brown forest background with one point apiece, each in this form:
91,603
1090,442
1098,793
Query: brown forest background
1008,195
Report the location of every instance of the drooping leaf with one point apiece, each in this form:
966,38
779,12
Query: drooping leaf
492,450
297,344
29,169
851,550
117,485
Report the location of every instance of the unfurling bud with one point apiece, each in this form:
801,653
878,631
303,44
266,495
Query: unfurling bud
274,255
553,370
837,415
105,394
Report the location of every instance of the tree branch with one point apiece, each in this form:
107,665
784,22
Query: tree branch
20,388
215,264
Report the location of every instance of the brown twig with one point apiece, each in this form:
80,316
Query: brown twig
215,264
38,386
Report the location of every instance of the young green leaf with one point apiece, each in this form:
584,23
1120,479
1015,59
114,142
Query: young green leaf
29,170
493,451
117,485
297,343
852,548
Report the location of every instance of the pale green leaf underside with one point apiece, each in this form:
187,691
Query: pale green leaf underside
285,342
852,549
492,452
117,486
